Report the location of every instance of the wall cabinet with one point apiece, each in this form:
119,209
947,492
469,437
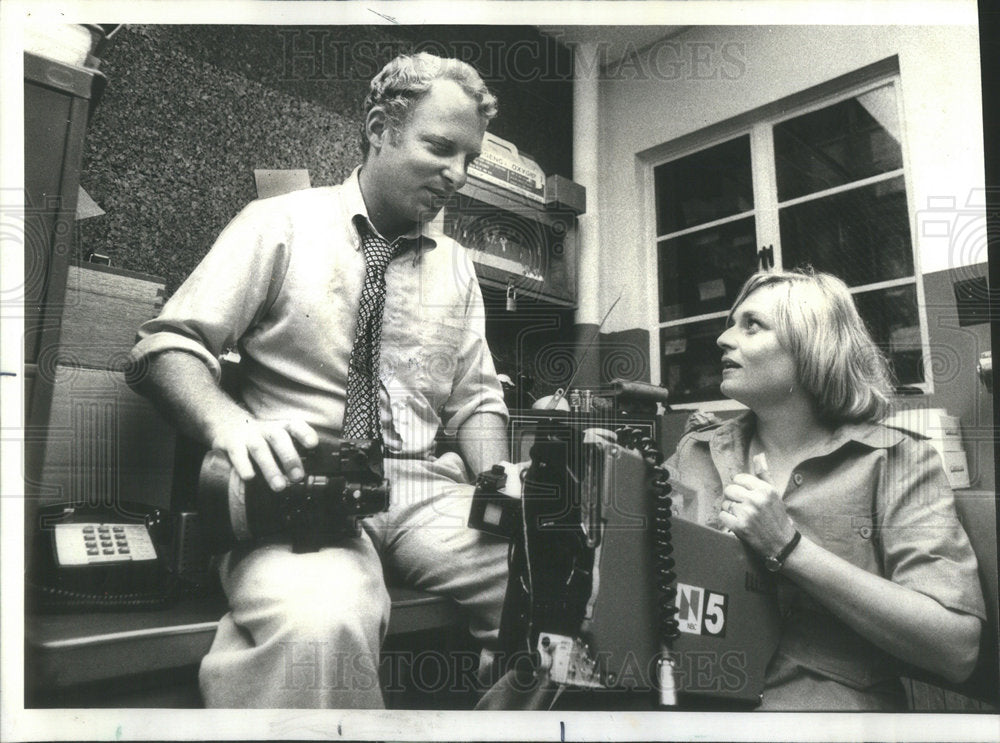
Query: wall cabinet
57,102
517,244
525,254
88,437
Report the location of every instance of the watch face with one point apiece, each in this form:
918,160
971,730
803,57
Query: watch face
772,563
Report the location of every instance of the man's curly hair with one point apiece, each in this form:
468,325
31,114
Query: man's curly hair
408,77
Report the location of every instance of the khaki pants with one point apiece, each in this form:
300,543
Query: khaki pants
304,630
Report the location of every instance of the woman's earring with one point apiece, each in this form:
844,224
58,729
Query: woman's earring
791,389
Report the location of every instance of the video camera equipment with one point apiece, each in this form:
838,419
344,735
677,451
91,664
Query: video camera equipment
550,609
608,590
343,483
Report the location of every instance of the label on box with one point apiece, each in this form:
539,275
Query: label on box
674,346
713,289
502,165
956,468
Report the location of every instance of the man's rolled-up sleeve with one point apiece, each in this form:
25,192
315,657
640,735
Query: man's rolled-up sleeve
227,293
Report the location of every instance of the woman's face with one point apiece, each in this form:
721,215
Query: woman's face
756,369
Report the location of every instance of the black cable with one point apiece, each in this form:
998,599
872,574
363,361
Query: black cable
666,578
61,599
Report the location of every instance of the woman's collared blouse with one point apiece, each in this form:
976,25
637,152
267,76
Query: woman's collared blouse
875,496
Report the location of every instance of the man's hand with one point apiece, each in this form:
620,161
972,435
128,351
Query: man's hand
268,443
182,387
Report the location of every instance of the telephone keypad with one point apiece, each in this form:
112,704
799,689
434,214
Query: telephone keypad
77,544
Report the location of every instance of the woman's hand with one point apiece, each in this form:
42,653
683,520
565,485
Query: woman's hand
753,510
904,622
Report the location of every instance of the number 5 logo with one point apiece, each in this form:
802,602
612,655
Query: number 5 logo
701,612
716,605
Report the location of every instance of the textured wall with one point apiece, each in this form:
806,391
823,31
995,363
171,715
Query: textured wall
191,111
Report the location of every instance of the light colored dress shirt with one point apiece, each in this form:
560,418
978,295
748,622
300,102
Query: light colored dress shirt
281,286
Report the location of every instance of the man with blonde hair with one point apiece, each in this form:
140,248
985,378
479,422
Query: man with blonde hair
354,317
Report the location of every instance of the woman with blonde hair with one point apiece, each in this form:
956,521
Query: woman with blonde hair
856,518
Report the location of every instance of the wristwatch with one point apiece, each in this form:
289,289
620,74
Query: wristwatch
774,562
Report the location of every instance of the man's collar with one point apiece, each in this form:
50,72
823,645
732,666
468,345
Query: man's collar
420,238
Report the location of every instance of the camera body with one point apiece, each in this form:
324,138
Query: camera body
343,483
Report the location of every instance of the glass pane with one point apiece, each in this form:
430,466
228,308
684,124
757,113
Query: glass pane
702,271
862,235
892,318
845,142
691,362
703,187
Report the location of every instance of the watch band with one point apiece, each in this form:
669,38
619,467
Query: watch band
775,563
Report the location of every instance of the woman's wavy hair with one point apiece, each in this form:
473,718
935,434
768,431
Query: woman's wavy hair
408,77
837,362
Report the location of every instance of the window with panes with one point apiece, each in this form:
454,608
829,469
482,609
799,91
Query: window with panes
824,186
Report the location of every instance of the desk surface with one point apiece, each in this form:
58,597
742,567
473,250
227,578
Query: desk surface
76,648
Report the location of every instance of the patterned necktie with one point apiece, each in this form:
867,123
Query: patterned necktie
361,420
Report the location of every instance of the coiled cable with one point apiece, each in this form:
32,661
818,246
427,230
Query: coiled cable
668,628
62,599
666,578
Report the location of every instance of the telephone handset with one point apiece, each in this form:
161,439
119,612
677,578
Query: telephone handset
100,557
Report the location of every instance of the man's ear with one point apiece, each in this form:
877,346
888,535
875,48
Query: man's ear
377,127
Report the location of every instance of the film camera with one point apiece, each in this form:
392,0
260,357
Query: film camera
343,483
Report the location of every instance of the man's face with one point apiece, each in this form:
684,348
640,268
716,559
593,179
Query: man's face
416,168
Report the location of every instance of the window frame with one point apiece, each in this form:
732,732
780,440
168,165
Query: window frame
759,124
